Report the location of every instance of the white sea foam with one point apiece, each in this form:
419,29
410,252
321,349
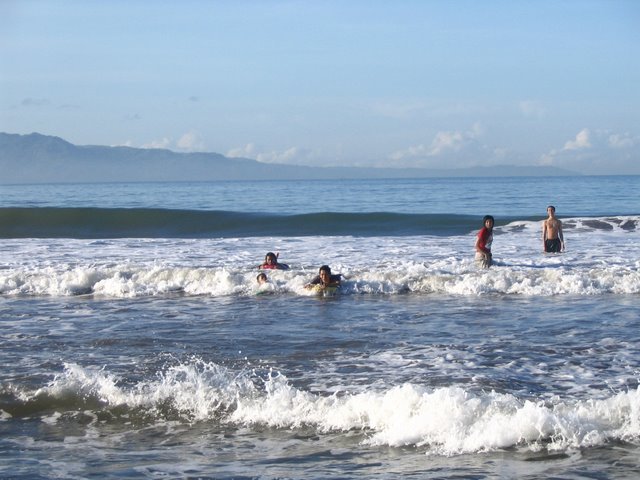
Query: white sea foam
598,260
462,279
448,420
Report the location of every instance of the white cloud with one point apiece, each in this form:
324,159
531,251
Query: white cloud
248,151
580,142
462,146
446,141
597,153
291,155
410,152
624,140
190,142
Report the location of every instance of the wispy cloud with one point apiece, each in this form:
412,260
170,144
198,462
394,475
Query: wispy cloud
188,142
464,145
622,140
247,151
291,155
597,152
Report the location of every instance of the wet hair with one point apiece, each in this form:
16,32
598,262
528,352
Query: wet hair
551,207
325,268
488,217
272,255
261,275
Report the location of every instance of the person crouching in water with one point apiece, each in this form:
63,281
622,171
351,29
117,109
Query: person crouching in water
483,242
324,279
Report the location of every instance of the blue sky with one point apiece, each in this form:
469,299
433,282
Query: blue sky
366,83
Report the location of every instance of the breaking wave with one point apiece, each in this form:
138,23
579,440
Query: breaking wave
446,420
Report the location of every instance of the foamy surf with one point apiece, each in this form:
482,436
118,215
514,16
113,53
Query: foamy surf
457,277
137,341
444,421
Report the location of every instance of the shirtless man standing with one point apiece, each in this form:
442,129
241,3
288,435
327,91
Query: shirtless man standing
552,238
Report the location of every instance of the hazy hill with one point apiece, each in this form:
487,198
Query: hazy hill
37,158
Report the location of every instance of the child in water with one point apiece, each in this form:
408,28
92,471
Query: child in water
271,262
264,285
324,279
483,242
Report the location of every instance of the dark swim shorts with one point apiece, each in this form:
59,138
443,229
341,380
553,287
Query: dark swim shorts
553,245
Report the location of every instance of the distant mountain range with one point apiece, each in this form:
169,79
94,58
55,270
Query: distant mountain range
37,158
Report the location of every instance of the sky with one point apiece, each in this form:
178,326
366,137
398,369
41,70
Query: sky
406,83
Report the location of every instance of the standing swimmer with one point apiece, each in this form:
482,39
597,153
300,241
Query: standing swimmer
483,242
552,238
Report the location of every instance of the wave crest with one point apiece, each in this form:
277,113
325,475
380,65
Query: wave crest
445,420
49,222
460,278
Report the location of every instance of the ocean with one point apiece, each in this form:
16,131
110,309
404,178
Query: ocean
137,343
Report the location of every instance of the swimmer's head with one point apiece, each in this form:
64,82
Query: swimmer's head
325,274
261,278
488,218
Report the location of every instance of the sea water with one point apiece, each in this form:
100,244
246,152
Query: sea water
136,342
